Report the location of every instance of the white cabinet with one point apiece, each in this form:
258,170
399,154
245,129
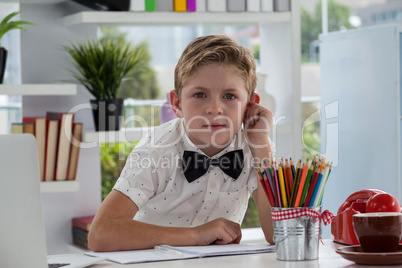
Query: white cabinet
44,61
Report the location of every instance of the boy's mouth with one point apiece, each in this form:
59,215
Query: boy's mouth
215,126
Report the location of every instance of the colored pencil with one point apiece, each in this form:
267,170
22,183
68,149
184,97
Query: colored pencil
311,188
288,186
283,187
310,174
301,185
317,186
277,185
321,185
295,184
289,177
269,191
325,183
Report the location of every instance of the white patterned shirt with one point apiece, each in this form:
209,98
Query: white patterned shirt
153,179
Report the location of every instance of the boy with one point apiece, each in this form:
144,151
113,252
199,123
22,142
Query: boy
189,182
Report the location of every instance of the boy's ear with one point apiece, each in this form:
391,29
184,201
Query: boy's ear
175,103
255,98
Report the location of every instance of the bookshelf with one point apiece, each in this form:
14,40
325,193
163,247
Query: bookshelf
174,18
65,22
39,89
59,186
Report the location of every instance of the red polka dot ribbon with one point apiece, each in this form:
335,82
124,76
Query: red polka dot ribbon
326,217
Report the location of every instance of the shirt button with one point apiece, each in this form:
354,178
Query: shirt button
212,185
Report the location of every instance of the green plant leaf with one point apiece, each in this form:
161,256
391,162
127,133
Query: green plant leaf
101,65
6,25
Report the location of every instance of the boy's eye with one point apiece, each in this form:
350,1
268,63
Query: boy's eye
229,96
199,95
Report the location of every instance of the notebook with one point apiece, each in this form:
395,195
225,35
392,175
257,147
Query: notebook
22,229
165,252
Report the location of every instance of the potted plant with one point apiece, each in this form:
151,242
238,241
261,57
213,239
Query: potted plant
5,26
101,65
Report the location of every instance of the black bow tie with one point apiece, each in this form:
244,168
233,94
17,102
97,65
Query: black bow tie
195,164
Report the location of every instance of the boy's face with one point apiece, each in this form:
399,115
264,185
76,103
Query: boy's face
213,102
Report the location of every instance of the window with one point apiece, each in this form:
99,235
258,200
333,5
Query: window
10,106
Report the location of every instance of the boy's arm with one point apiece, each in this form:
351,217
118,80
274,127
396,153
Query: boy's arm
258,121
113,228
264,213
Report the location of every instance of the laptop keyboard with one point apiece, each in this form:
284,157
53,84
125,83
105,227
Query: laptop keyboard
57,265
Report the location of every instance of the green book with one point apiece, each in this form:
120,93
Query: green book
150,5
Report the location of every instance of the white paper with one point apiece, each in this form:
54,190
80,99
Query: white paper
152,255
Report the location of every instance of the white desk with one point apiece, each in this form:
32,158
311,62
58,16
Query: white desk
328,258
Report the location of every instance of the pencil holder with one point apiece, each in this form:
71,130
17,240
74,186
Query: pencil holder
296,232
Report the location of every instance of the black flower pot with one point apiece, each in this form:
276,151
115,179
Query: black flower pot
107,114
3,60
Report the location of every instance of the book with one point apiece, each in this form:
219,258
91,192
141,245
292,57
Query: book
201,5
281,5
29,128
164,5
17,128
150,5
80,234
180,5
137,5
40,135
64,145
191,5
165,252
83,223
236,5
267,5
52,135
253,6
80,242
74,151
216,5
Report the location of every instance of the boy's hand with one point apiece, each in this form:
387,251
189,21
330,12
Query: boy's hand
221,231
257,124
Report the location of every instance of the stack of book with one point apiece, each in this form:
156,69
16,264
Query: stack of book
210,5
80,230
58,139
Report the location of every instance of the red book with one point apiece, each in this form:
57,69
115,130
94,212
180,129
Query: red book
83,223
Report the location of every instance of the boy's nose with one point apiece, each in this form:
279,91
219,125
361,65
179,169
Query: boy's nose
214,107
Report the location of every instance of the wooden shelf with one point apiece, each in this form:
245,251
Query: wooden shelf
124,135
39,89
174,18
59,186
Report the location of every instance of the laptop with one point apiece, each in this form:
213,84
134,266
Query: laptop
22,229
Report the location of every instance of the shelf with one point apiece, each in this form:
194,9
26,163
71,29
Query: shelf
174,18
59,186
39,89
124,135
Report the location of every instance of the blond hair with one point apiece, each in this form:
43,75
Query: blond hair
209,49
